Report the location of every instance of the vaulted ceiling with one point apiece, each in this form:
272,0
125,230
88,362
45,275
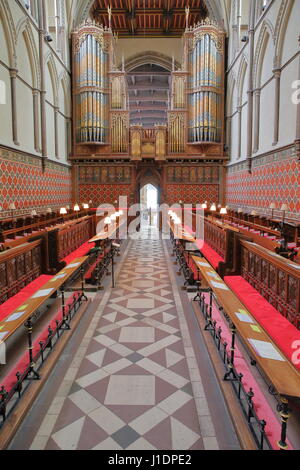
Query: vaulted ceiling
149,18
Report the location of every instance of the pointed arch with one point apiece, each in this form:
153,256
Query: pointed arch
9,31
241,79
50,63
266,34
230,93
64,83
24,27
281,27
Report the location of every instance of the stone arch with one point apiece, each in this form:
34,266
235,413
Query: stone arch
63,81
149,57
9,31
266,34
280,28
241,79
23,27
230,94
49,61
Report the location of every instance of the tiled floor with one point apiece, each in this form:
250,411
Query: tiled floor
134,382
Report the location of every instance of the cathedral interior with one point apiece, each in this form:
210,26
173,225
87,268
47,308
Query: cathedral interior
149,225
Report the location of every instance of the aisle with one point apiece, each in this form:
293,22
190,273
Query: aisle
134,382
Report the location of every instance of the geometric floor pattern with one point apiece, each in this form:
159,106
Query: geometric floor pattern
136,383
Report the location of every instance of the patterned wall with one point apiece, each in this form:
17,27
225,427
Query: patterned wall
104,193
191,193
25,183
275,178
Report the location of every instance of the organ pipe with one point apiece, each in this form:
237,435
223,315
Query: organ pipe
91,92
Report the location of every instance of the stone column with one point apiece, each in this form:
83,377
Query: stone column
250,85
297,140
277,77
35,96
13,86
239,110
41,7
256,119
56,109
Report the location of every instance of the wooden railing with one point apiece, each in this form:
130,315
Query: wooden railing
275,278
18,267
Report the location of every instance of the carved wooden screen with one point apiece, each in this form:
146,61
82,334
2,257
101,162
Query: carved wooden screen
19,267
275,280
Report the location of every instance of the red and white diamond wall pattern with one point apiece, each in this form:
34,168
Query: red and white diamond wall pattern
25,183
277,182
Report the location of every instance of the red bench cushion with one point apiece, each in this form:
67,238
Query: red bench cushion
283,333
81,251
210,254
10,379
14,302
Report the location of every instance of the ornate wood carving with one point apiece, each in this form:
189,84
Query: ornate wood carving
274,278
18,267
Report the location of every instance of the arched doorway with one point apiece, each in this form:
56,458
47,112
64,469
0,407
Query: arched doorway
149,202
149,194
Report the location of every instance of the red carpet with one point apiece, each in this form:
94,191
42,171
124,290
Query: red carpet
14,302
283,333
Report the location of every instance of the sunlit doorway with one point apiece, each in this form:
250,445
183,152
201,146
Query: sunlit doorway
149,205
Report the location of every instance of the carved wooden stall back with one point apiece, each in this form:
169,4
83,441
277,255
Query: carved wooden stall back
18,267
66,239
274,278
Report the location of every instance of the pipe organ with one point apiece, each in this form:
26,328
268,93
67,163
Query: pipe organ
206,89
100,92
195,116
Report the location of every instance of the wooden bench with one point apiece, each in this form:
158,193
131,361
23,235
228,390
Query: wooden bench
273,362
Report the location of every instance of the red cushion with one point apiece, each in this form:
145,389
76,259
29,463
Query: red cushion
10,379
81,251
210,254
14,302
283,333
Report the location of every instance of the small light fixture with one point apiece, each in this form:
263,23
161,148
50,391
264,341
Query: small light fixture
204,205
223,211
33,213
12,208
49,210
213,207
85,206
107,220
63,211
253,213
272,206
113,216
76,209
121,213
284,208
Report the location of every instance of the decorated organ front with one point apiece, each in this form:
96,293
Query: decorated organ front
196,109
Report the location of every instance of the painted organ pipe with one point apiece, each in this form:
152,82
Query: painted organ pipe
206,59
91,85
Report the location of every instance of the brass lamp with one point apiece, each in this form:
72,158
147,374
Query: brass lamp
272,207
284,208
